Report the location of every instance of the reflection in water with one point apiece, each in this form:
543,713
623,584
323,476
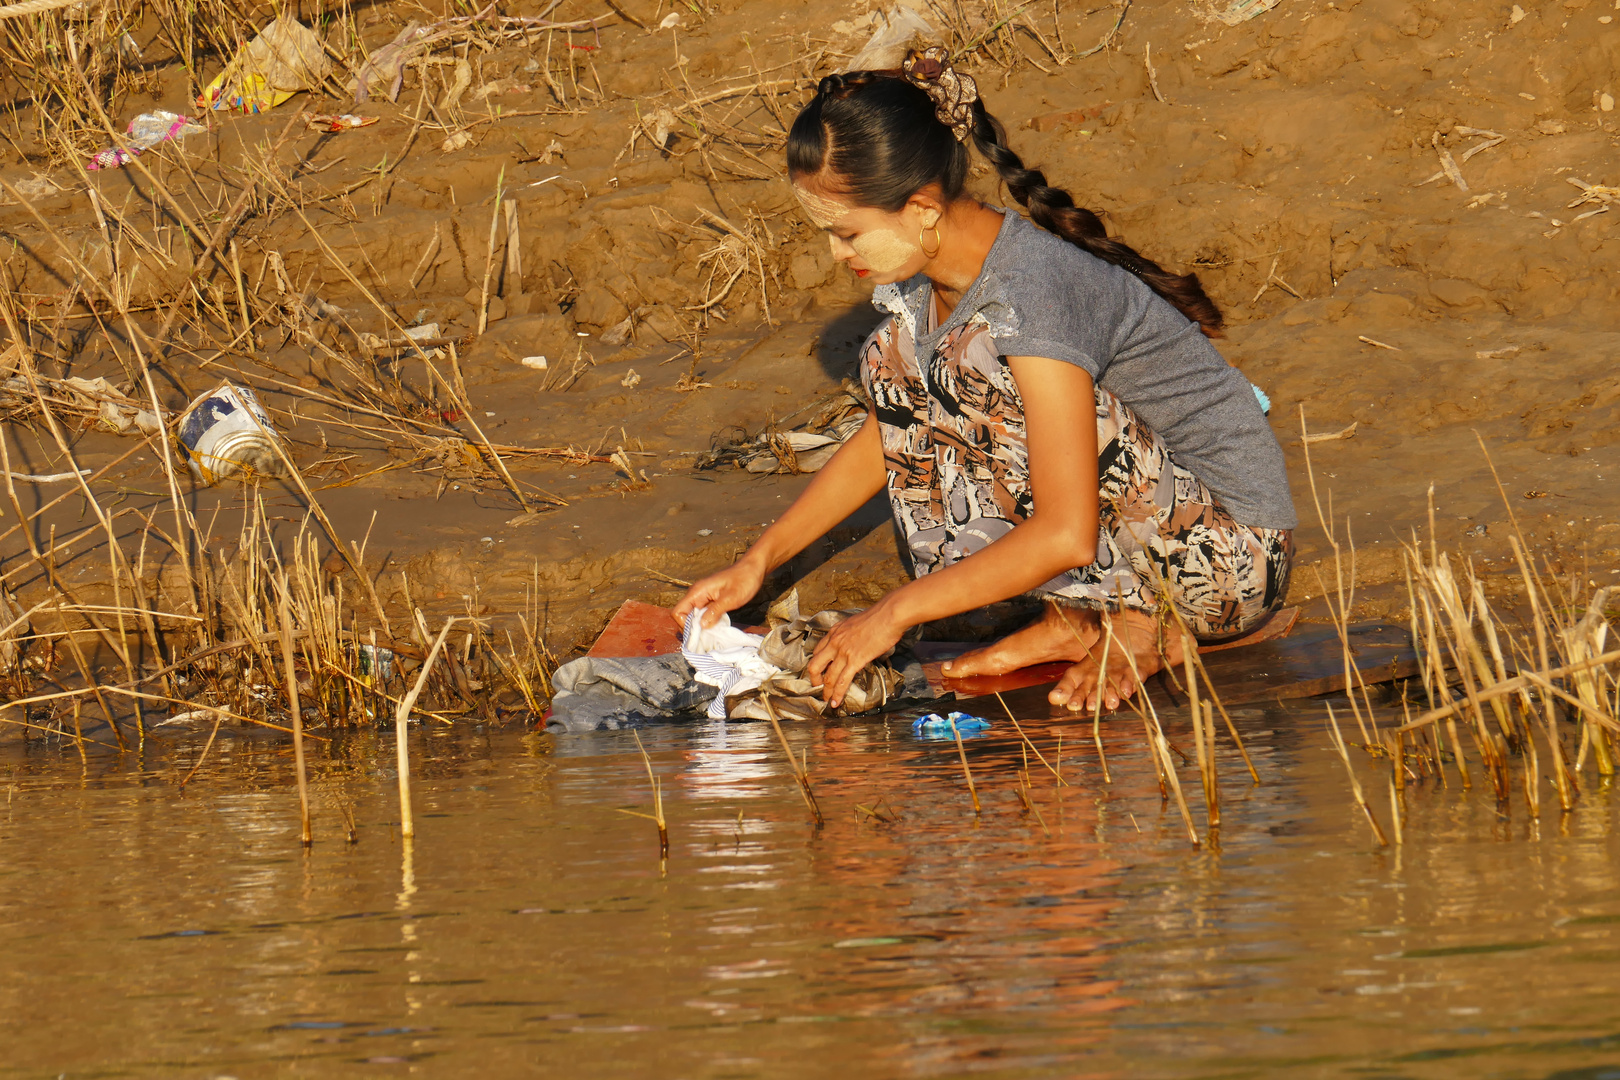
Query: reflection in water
532,929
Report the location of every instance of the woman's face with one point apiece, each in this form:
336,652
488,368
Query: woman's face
880,247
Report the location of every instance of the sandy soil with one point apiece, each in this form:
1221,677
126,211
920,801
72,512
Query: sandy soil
1284,159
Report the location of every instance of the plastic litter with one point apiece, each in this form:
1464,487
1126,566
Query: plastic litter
378,661
145,132
226,431
934,726
285,58
1240,11
900,29
1260,396
344,122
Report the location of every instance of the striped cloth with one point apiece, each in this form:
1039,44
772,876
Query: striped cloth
725,657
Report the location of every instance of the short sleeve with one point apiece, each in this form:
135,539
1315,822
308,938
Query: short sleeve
1073,311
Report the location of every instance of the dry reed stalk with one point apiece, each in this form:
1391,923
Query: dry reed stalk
226,226
658,800
1026,793
313,505
516,675
121,650
202,757
1202,714
1355,785
90,681
1096,714
500,465
1190,641
1582,640
798,774
489,256
512,283
1212,785
241,294
78,732
383,695
297,721
397,327
1340,616
1038,755
1395,816
961,752
407,827
1157,743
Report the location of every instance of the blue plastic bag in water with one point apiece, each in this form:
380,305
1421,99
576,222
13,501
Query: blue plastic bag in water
935,726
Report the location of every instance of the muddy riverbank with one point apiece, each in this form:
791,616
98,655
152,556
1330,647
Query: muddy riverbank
1286,159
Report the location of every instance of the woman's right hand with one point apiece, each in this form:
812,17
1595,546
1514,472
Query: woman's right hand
721,592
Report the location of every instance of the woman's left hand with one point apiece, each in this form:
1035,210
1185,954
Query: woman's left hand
850,646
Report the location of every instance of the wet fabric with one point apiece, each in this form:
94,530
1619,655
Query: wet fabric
789,647
1039,295
957,461
724,670
747,667
724,657
596,693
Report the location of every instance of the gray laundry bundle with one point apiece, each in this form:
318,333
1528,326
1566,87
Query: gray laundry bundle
596,693
789,646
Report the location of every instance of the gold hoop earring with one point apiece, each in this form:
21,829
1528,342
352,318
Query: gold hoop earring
939,241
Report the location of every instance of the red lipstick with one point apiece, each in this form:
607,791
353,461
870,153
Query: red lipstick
862,273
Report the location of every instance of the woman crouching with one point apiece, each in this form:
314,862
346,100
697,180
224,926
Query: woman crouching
1044,400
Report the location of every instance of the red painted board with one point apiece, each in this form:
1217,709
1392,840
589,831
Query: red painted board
638,629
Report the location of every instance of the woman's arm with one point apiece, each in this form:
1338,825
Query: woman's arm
1061,428
854,475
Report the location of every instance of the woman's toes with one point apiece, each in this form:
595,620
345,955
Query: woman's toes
1064,691
1073,688
1119,689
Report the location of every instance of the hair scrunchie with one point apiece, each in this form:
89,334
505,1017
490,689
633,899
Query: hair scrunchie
952,93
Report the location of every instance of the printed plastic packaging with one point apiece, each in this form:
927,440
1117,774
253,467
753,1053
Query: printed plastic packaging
935,726
227,431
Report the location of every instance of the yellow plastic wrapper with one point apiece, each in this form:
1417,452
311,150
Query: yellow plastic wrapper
285,58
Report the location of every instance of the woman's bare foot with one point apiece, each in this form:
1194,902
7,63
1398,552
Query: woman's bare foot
1058,635
1084,683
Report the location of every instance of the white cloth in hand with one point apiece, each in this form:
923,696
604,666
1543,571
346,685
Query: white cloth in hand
725,657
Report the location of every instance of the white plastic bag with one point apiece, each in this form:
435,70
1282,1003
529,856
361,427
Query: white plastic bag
899,29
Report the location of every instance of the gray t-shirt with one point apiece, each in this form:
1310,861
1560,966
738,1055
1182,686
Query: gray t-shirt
1043,296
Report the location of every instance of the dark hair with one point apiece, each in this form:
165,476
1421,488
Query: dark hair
875,137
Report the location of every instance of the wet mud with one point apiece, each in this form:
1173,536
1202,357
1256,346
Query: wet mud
1288,160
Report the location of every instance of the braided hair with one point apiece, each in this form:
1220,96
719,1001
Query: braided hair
874,136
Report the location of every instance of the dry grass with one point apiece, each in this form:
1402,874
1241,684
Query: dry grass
1528,676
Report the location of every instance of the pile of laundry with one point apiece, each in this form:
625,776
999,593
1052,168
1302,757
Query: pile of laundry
725,672
804,449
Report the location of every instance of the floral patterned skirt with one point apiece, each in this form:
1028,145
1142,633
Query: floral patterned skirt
958,479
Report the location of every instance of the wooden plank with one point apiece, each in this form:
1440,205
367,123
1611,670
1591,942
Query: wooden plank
1305,664
638,629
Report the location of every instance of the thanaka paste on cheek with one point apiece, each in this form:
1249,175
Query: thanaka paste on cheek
884,250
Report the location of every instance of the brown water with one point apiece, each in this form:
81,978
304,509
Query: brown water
532,929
